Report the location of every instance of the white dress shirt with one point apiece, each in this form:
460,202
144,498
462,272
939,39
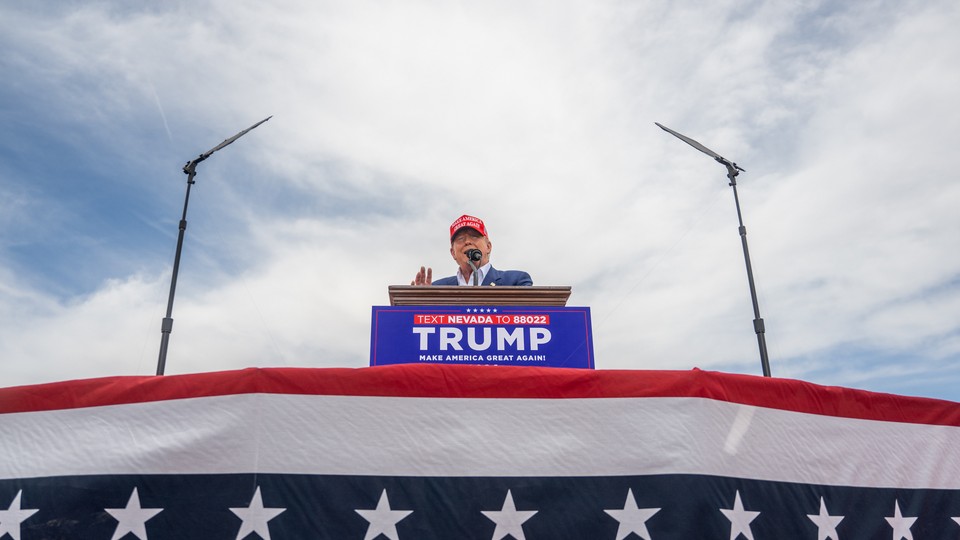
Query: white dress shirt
481,273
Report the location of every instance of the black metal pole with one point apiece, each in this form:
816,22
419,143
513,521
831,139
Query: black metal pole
167,325
757,320
732,172
190,169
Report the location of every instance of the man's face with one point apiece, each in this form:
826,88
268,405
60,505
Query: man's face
467,239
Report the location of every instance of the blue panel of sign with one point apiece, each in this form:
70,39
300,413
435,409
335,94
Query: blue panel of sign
505,335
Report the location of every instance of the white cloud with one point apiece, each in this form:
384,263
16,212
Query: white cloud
103,334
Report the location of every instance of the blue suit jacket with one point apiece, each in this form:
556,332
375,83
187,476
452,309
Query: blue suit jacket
495,277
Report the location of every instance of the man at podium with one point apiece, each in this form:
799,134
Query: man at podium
470,247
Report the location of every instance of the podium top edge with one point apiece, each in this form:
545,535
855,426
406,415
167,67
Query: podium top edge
480,288
407,295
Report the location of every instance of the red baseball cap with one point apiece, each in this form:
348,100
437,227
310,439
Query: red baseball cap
474,223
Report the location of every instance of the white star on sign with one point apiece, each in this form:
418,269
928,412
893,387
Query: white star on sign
382,519
632,519
132,519
901,525
509,520
255,517
12,517
739,519
957,519
826,524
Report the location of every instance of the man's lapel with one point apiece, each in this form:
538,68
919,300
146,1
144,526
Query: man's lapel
492,277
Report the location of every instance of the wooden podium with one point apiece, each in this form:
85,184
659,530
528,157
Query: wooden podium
451,295
510,326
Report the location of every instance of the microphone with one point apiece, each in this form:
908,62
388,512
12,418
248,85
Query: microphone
474,256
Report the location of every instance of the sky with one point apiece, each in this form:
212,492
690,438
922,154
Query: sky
391,119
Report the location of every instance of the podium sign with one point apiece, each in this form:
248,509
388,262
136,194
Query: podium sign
502,335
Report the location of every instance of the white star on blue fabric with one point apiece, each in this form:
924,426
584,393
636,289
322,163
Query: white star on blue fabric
632,519
382,519
13,516
901,525
826,524
255,517
509,520
132,519
739,519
